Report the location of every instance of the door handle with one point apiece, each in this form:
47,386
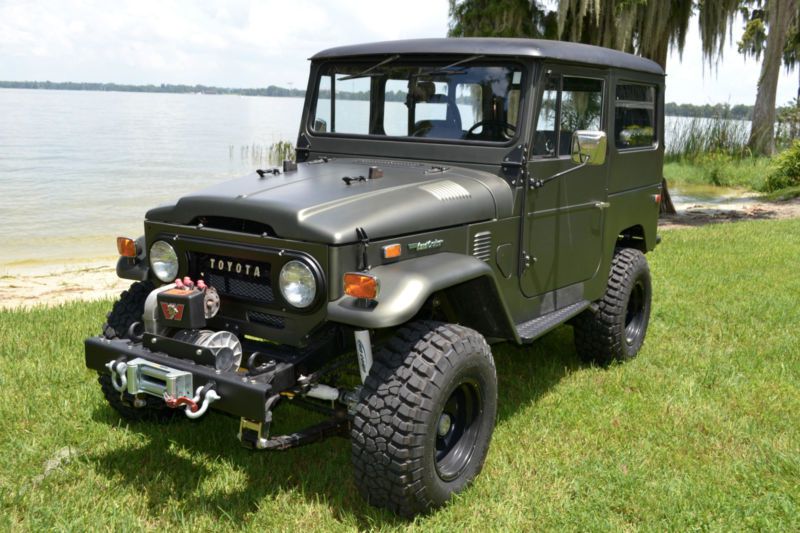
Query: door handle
602,205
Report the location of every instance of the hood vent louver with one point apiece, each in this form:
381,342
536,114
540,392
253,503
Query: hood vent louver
482,245
446,190
388,163
234,224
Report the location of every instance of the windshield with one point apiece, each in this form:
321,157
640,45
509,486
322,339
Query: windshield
459,100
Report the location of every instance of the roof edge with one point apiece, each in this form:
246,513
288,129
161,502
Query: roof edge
517,47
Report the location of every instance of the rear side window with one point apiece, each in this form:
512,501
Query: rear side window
635,116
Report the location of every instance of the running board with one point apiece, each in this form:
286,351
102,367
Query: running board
533,329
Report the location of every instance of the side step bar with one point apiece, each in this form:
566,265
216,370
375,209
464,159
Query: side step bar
533,329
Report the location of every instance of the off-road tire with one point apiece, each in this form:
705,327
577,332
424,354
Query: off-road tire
614,328
418,379
127,310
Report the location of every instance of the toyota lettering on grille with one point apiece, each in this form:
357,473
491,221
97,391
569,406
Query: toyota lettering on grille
237,267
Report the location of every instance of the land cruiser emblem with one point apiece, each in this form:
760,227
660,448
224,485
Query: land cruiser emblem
427,245
227,265
172,311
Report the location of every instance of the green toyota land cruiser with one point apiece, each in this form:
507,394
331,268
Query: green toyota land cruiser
447,195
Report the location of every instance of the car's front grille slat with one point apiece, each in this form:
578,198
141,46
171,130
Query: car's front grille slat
265,319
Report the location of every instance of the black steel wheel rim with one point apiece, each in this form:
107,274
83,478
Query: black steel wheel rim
457,429
634,314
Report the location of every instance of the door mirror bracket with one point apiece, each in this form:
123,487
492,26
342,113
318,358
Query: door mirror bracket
588,149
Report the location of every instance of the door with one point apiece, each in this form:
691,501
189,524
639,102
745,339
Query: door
563,231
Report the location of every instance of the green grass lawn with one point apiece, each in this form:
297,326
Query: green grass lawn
747,173
701,431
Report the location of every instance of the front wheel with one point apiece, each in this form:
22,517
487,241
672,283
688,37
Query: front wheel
125,313
615,327
426,415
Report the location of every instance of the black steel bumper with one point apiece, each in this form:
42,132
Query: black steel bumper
241,396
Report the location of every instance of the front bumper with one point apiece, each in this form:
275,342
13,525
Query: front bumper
240,395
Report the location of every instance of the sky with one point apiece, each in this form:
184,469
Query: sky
255,43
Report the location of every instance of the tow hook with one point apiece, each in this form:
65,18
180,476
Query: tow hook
194,407
119,378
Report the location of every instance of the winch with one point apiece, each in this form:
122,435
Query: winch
223,345
186,304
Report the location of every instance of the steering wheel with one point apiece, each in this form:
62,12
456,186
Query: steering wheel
422,130
495,126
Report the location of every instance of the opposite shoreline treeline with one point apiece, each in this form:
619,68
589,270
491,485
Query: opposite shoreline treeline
739,111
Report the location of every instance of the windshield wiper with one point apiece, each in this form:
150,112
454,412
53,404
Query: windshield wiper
446,69
370,69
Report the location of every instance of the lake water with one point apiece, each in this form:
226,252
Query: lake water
78,168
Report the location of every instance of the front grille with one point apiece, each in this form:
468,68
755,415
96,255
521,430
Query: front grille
236,278
239,288
265,319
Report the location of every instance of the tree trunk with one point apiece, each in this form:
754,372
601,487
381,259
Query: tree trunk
780,14
666,207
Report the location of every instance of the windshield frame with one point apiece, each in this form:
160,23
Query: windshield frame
435,63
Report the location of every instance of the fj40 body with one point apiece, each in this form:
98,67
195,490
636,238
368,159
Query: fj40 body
446,195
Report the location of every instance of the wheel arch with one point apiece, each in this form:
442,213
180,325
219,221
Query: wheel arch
466,284
633,237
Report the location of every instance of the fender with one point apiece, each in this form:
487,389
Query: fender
405,286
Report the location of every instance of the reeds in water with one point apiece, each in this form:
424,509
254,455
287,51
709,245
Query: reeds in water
690,138
263,154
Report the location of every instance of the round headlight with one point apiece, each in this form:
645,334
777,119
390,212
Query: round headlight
297,283
164,261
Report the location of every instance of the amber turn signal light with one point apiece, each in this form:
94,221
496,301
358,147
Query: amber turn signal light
392,251
126,247
361,286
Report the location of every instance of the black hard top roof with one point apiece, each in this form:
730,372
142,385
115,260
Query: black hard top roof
559,50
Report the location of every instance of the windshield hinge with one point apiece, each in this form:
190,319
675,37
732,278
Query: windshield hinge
363,259
515,165
303,149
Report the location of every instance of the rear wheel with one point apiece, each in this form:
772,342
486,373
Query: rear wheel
615,327
126,312
426,414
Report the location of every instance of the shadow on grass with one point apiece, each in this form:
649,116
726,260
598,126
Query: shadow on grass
182,463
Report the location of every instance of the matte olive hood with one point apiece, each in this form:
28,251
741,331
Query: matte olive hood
315,204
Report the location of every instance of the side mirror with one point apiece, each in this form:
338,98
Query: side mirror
320,126
589,147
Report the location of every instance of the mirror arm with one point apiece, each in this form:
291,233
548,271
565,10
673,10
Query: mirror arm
537,183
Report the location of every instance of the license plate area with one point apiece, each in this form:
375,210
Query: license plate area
146,377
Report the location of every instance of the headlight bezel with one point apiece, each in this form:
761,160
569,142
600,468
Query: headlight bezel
313,275
174,271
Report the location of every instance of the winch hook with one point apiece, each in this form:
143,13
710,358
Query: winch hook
194,407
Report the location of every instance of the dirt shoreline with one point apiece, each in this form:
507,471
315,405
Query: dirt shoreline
23,286
748,208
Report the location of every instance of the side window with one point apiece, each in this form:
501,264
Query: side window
395,110
568,104
635,116
514,95
348,111
545,139
469,99
433,104
581,104
322,117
